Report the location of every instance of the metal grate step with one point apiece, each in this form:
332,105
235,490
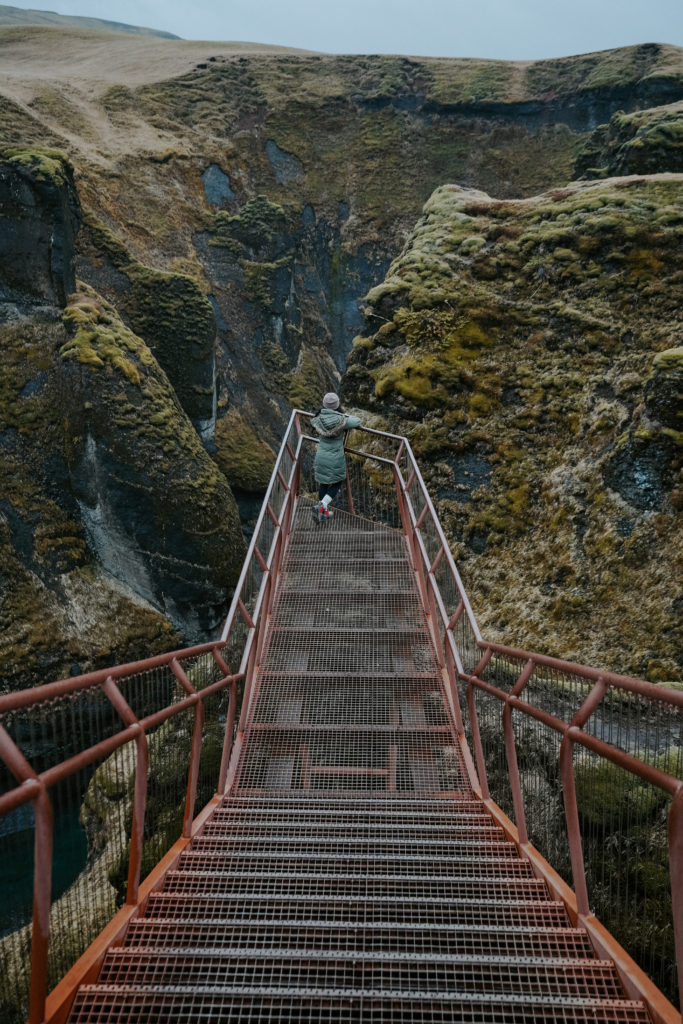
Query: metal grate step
427,851
508,912
332,934
371,866
352,830
334,971
387,611
391,808
398,887
100,1004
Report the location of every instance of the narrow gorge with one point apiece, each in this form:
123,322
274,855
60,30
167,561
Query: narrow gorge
483,255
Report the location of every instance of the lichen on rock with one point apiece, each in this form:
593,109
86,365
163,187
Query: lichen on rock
550,354
168,310
155,506
245,459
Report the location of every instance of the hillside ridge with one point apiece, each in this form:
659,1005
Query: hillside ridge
236,206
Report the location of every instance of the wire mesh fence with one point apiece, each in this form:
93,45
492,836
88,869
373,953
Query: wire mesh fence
622,816
92,806
351,725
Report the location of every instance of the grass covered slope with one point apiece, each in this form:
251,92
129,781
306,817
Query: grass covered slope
20,16
283,182
531,350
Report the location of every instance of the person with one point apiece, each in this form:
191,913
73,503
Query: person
329,467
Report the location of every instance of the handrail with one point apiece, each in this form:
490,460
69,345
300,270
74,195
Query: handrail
468,664
33,785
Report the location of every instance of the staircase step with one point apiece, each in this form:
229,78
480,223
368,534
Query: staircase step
370,866
342,846
349,830
396,886
304,608
102,1004
278,969
329,934
508,911
391,810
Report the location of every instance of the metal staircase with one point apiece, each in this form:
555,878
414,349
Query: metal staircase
351,873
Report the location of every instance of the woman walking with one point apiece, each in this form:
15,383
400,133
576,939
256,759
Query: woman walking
329,467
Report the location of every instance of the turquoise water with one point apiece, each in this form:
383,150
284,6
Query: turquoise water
16,877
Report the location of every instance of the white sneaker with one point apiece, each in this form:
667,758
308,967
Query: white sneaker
323,512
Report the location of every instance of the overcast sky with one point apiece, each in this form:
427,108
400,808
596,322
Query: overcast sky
502,29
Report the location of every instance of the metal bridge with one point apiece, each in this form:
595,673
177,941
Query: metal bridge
352,864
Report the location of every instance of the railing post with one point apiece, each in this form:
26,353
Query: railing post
195,749
349,493
452,675
571,810
511,754
42,872
675,831
474,725
137,831
228,737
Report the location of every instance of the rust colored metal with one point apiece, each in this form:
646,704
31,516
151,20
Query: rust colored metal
352,865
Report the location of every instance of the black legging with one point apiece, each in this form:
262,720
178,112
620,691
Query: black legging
331,489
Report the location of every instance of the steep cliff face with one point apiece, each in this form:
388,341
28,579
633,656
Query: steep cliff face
41,214
116,528
531,350
645,142
284,183
252,198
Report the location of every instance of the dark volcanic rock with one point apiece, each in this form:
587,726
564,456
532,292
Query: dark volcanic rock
39,218
641,470
116,528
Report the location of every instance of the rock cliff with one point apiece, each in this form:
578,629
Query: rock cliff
531,351
238,202
118,533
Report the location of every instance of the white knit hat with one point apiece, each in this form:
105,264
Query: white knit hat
331,401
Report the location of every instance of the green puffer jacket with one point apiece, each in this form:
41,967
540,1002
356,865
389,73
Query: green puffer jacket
330,465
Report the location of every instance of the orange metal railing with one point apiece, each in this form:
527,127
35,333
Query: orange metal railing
506,704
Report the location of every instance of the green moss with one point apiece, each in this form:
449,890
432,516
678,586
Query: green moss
50,166
246,460
259,279
100,340
255,228
308,381
608,795
171,313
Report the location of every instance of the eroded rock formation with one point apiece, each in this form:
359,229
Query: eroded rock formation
530,349
238,203
118,533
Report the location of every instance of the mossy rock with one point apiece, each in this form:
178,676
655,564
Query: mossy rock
608,795
570,363
145,484
41,215
664,389
245,459
171,313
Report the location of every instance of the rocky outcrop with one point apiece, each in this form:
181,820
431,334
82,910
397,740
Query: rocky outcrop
168,310
646,142
531,351
155,507
40,218
235,213
119,536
